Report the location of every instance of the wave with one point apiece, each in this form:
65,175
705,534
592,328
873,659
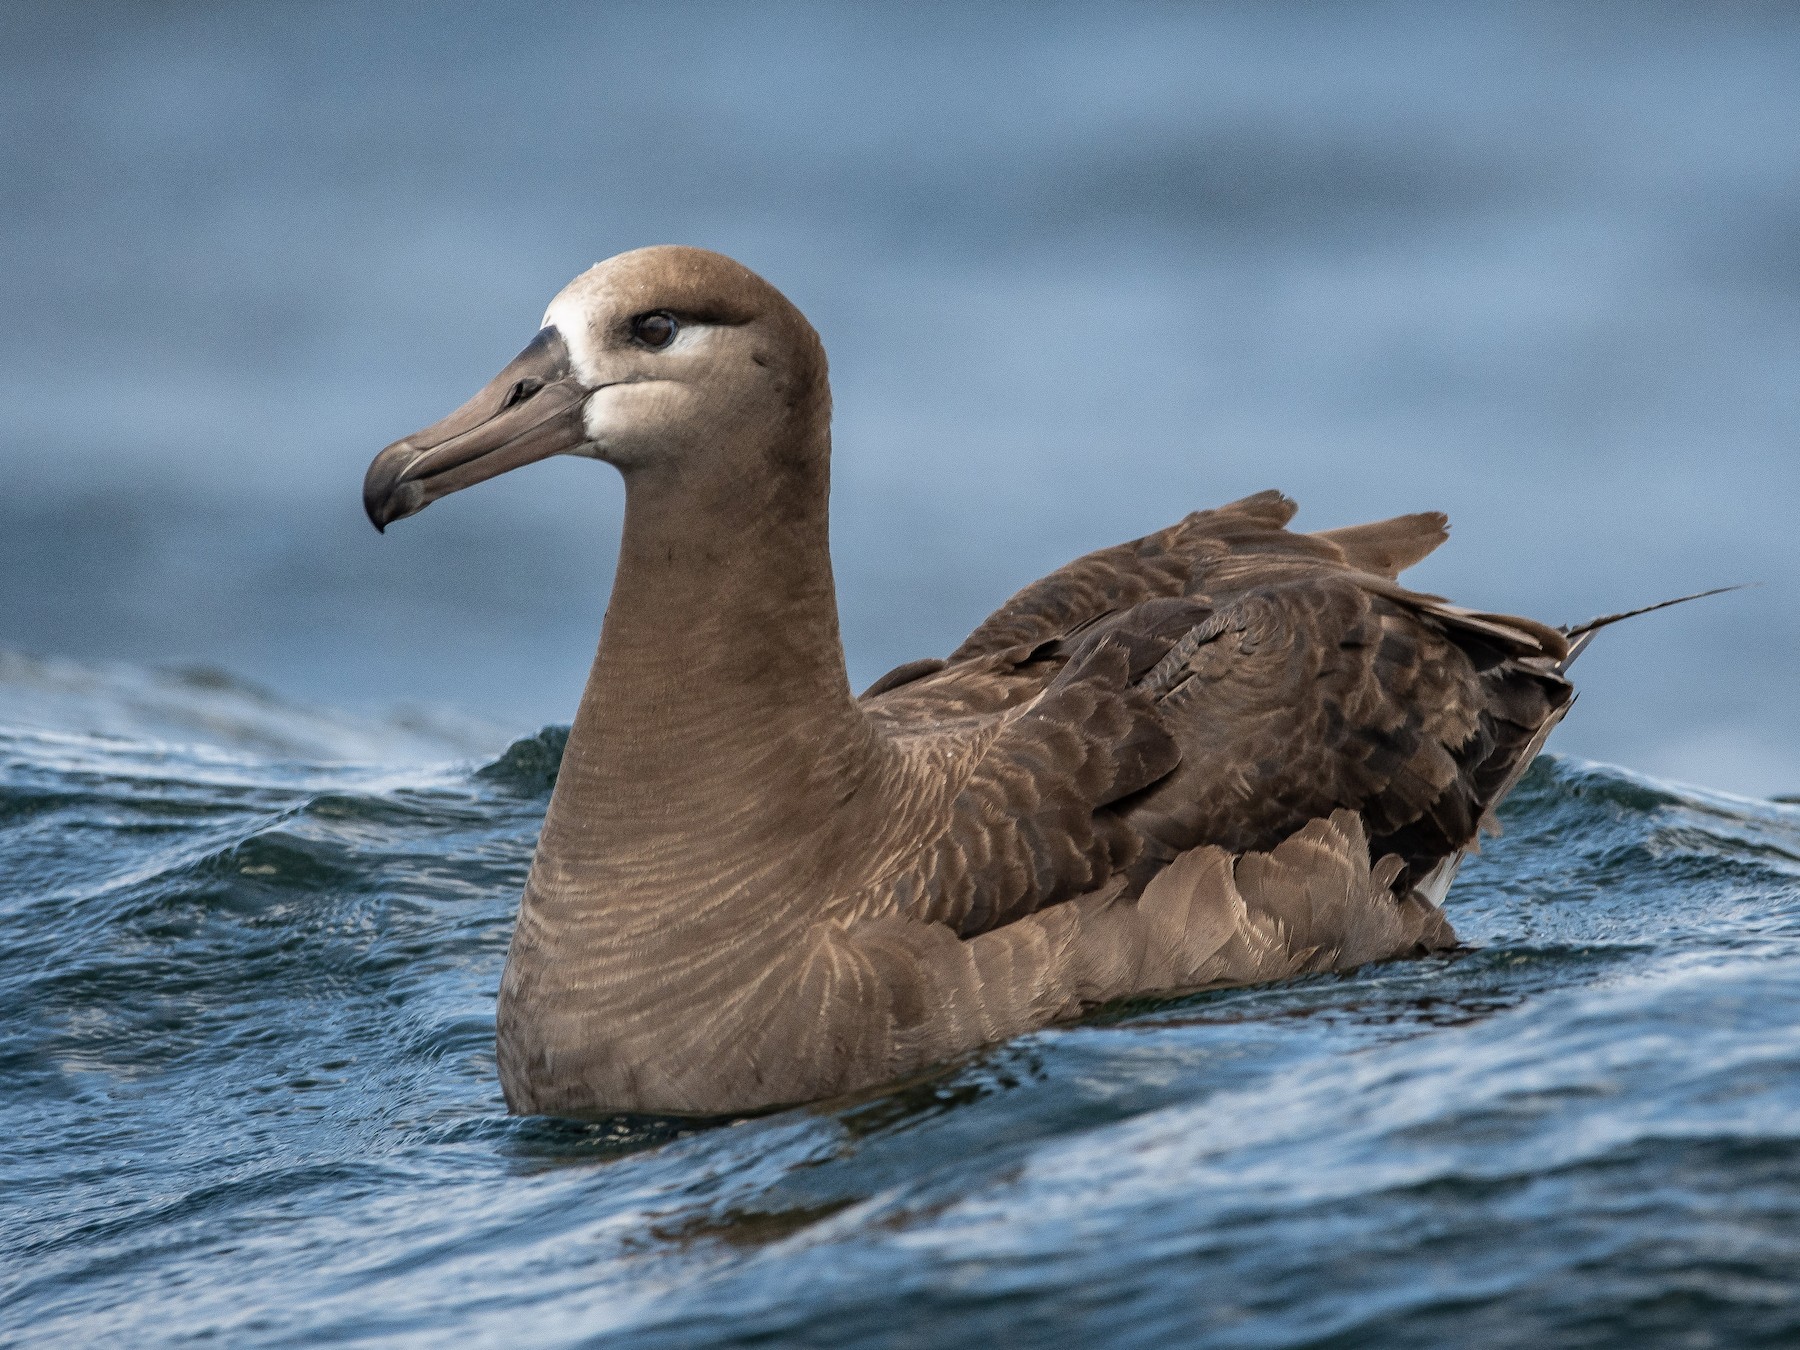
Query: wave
199,707
249,1046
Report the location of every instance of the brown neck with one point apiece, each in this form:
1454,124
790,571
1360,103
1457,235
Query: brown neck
717,729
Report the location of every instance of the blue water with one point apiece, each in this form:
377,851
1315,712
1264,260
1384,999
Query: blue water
249,1097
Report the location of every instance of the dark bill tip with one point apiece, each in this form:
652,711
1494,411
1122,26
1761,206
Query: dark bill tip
385,498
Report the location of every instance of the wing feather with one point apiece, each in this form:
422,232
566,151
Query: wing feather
1219,683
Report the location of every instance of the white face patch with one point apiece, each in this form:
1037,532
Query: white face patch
598,416
568,314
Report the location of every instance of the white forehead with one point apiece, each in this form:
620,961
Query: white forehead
572,314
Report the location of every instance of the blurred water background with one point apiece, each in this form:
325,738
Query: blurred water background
1080,269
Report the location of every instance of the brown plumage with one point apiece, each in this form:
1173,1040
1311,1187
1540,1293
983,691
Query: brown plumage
1221,754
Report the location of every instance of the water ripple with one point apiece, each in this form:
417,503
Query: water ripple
251,1094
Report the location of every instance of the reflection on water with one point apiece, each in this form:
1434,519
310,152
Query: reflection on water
748,1228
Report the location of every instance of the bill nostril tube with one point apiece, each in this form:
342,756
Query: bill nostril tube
521,391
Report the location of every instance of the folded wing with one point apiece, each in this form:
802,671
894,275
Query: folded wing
1220,683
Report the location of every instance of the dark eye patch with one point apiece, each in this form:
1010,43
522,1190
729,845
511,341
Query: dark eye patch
656,329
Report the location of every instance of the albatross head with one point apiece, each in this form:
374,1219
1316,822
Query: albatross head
662,361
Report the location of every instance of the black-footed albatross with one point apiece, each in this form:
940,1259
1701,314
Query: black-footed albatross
1221,754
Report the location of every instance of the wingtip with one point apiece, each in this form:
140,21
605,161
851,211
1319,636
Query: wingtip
1607,620
1581,634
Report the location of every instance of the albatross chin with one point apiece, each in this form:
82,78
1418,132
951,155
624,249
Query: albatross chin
1221,754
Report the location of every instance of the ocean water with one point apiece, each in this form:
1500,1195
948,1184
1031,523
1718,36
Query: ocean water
248,1094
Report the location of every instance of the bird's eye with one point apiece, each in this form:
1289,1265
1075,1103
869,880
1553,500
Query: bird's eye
656,329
